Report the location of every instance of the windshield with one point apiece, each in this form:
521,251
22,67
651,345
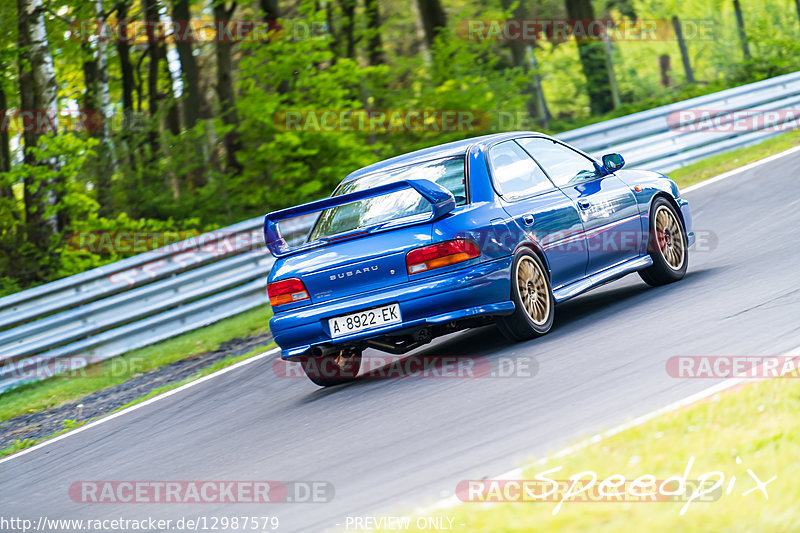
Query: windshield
449,173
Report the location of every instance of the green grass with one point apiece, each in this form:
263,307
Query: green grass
720,163
56,391
757,423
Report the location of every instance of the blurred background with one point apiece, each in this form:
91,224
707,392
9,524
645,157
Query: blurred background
188,115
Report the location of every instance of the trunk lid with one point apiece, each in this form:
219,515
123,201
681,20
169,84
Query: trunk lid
355,266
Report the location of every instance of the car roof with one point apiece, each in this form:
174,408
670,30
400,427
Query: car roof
450,149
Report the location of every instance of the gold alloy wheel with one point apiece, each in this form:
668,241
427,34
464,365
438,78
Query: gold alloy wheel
670,238
532,290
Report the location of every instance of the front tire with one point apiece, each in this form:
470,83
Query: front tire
533,298
335,369
667,245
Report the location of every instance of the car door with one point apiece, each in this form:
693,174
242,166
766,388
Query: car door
607,206
540,211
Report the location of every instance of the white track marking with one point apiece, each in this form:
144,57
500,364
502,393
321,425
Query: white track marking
165,394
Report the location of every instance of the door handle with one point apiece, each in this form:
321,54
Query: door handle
527,220
584,204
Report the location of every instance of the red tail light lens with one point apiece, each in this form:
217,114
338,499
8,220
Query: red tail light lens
441,254
286,291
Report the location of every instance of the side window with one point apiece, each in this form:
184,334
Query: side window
515,173
562,164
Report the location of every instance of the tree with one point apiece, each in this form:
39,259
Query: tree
593,60
270,8
38,91
537,107
433,19
737,8
349,26
125,65
687,64
190,74
225,90
5,147
155,51
374,43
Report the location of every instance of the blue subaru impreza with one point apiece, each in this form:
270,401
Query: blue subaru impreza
498,228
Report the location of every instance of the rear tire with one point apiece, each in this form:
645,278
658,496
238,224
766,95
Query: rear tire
667,245
335,369
533,298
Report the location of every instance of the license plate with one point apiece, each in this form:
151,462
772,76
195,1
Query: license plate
371,318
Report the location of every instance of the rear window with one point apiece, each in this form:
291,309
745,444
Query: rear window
449,173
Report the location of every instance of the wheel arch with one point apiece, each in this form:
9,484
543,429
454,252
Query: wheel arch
536,248
671,200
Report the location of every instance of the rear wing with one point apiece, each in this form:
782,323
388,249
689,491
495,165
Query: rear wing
440,198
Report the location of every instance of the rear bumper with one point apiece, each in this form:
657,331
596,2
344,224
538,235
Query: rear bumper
481,289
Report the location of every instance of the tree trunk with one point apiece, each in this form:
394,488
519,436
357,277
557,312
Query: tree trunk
194,105
173,121
190,73
740,25
5,147
92,109
349,26
96,105
374,42
616,100
38,92
540,109
155,51
593,60
125,66
433,19
687,65
271,9
519,49
225,92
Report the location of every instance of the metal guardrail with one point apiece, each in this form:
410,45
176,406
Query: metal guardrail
107,311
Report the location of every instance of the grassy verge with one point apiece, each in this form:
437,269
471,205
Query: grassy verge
757,423
57,391
717,164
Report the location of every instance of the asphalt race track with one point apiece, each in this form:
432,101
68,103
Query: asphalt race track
395,444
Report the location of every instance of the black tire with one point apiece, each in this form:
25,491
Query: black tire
335,369
667,245
533,298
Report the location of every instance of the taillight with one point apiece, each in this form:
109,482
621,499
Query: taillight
441,255
286,291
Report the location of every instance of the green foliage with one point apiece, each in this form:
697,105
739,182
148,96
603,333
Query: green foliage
152,173
69,424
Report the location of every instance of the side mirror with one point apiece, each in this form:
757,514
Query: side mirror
613,162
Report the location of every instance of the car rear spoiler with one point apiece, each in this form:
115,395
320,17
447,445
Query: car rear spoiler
440,198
